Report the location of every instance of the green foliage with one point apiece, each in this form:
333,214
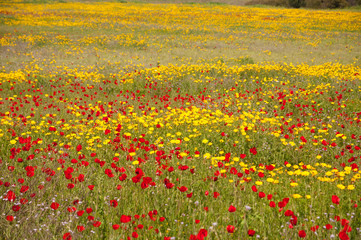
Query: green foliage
296,3
326,4
316,4
336,4
276,3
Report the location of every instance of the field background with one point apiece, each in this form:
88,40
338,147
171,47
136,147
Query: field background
178,121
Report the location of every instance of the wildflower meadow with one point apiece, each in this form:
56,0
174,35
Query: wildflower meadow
131,120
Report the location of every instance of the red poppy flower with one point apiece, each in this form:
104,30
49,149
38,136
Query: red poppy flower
232,209
137,178
80,213
10,218
202,234
79,148
293,220
144,185
343,236
135,235
16,208
314,228
97,224
30,173
81,177
71,209
251,232
325,143
10,196
54,205
182,188
288,213
253,151
347,228
113,203
281,204
80,228
230,228
233,171
125,219
302,234
335,199
116,226
67,236
270,167
328,226
216,194
193,237
183,168
169,185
